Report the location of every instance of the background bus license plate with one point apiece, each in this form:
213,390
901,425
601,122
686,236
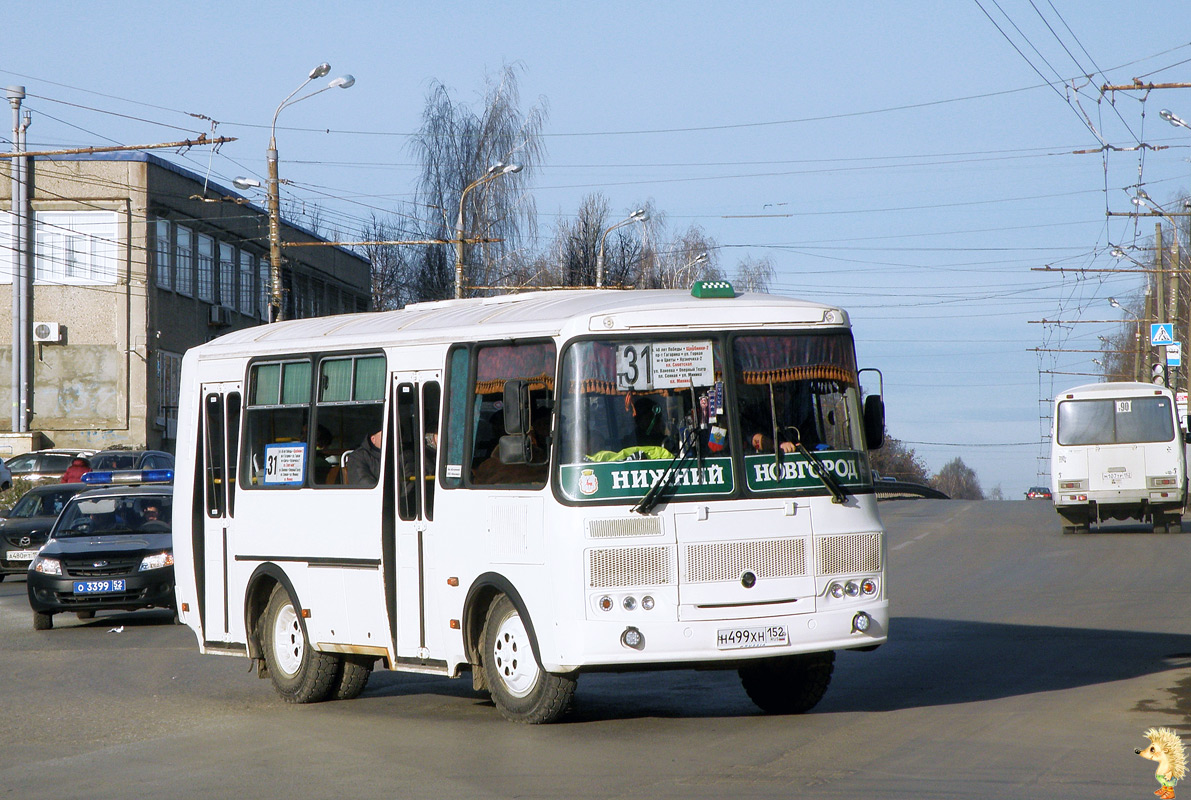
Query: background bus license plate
98,587
738,638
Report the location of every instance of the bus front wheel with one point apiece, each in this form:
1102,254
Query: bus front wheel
300,674
521,689
788,685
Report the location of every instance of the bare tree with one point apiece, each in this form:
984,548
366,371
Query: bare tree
394,276
754,274
456,147
958,481
896,460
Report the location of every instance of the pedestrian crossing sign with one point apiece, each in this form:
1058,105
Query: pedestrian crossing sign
1162,333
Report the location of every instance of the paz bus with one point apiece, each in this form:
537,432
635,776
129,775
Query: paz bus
1117,452
530,487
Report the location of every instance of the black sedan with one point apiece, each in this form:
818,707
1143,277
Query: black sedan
111,549
26,527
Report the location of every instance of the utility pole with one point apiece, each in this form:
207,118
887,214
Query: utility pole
22,250
20,299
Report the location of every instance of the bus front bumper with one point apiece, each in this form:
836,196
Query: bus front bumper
623,644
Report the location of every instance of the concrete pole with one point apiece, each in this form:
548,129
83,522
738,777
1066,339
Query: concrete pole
276,313
26,293
15,95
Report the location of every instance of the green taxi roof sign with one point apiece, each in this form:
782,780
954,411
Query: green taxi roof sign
705,289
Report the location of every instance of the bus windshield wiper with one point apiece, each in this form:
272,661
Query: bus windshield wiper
652,497
837,492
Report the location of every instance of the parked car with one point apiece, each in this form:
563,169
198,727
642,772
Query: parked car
25,527
107,460
44,466
1038,493
110,549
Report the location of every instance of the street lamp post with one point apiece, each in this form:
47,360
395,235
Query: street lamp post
275,307
678,276
494,172
640,215
1137,360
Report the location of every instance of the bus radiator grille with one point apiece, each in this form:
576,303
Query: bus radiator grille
837,555
628,566
727,561
628,526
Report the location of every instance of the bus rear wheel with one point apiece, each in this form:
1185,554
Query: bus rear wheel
521,689
788,685
300,674
351,677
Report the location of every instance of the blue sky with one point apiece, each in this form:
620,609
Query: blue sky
903,160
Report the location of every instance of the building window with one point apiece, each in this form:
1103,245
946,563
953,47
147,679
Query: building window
247,275
317,301
227,275
169,374
163,262
266,288
206,268
75,247
184,260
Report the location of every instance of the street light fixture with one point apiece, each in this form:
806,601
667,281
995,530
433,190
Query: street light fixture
640,215
1173,118
495,171
678,275
343,82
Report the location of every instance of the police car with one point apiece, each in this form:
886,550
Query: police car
110,549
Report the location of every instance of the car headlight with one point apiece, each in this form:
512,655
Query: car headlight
46,566
157,561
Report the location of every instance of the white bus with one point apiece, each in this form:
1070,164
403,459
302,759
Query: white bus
1117,452
561,482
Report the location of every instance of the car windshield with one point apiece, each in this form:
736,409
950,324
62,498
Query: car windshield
110,461
41,504
111,514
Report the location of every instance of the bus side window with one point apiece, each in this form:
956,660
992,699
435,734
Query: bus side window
431,396
277,412
532,363
349,409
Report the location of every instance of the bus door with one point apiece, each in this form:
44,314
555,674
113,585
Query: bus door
219,456
417,398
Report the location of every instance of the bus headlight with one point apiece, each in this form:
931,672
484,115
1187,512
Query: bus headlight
836,590
629,603
647,603
861,622
852,589
606,603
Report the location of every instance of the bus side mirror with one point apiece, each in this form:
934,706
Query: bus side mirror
516,408
874,421
516,448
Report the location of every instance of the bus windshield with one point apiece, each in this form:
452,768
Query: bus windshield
631,409
1130,420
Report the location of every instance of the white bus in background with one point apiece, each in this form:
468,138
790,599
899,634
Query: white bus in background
620,480
1117,452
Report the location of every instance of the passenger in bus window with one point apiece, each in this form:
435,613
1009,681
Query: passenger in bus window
363,463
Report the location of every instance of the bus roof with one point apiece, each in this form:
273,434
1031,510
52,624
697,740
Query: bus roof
1114,389
539,313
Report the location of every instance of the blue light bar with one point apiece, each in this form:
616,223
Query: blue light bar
129,476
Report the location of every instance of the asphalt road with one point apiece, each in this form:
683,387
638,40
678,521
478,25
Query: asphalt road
1021,664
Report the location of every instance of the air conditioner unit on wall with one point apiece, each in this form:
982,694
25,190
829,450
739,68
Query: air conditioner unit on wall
220,317
47,332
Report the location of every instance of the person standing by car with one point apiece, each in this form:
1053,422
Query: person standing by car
77,469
